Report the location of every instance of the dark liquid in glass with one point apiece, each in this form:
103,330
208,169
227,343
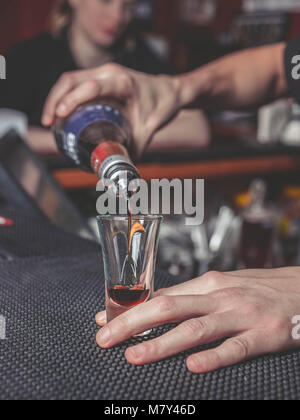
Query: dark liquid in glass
128,296
129,292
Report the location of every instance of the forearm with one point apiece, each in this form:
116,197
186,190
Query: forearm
41,141
190,127
242,80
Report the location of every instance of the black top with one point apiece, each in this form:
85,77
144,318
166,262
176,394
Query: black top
292,67
34,66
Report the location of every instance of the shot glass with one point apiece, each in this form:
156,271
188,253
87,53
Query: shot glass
129,248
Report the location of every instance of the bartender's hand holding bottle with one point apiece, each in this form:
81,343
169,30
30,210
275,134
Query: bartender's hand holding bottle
253,310
150,101
244,80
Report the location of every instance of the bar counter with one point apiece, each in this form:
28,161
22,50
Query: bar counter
232,152
51,287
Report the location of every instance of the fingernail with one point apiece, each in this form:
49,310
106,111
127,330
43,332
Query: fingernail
62,109
194,364
104,336
137,352
46,120
101,317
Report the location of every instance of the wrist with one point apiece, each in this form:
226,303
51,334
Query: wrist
193,87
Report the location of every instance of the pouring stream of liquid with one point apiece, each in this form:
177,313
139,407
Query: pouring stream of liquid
129,275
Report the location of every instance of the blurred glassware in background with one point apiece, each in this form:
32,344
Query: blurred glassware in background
176,253
289,226
198,12
264,5
190,252
13,120
254,29
223,233
257,231
279,122
272,121
291,132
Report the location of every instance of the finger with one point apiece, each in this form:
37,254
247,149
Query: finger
248,274
101,318
65,84
232,351
187,335
117,85
159,311
84,92
90,90
192,287
262,273
205,284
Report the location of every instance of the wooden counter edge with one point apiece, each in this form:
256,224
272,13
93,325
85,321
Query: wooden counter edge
77,179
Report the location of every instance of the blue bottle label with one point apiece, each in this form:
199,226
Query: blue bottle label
81,119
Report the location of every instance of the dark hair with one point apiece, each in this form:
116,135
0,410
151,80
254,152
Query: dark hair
61,15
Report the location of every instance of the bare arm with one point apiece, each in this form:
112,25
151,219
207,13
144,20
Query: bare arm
189,129
243,80
239,81
41,141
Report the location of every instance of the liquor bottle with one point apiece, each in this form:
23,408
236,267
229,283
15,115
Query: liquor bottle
258,230
97,138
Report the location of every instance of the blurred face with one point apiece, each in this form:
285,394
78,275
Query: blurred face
104,21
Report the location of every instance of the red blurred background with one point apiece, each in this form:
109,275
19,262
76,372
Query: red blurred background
22,19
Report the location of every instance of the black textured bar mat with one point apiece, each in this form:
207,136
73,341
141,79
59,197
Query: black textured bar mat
49,302
31,236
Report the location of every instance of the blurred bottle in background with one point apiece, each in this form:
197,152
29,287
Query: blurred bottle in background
289,226
257,231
